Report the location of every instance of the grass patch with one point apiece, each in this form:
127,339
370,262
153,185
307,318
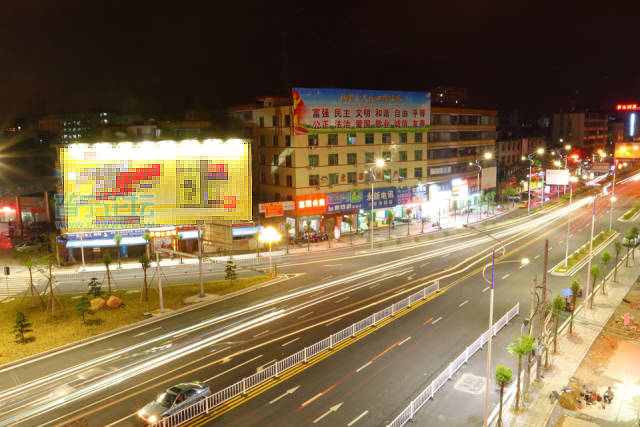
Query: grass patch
631,212
416,239
67,327
430,236
583,251
398,241
446,233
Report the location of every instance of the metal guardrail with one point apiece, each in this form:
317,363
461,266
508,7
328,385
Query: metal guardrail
274,370
407,414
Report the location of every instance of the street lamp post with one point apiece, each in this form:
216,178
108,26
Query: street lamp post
613,195
593,218
269,235
372,177
566,252
477,164
530,157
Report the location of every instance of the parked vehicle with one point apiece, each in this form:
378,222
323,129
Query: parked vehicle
173,400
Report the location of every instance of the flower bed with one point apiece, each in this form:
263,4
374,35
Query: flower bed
583,251
631,212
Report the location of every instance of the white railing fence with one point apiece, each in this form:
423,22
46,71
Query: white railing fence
277,368
413,407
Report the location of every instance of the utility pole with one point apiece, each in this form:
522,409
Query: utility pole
533,304
200,261
159,273
593,218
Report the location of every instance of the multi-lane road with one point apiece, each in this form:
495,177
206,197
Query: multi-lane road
364,383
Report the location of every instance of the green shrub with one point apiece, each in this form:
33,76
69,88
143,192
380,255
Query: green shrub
430,236
398,241
416,239
446,233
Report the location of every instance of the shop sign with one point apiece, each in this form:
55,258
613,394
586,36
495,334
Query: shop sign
403,196
311,204
419,194
275,208
110,234
445,170
246,231
344,201
459,188
382,198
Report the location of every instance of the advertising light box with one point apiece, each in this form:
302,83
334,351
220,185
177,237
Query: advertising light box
150,184
352,110
557,177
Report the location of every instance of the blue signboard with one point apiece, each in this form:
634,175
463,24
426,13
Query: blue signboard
344,201
382,198
403,196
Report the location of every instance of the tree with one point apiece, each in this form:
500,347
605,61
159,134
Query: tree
503,377
287,234
634,234
618,248
106,260
520,346
83,307
21,327
178,240
47,246
409,210
330,224
575,288
557,307
94,287
390,218
454,206
118,238
348,219
627,242
491,197
147,237
26,256
468,209
145,264
605,259
230,271
595,273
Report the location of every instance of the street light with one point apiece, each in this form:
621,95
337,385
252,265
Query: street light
477,164
530,157
372,178
566,253
269,235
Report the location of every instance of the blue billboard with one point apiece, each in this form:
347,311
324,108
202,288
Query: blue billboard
382,198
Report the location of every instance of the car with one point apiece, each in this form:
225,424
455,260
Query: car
173,400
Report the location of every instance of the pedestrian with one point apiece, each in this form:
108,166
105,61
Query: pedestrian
608,395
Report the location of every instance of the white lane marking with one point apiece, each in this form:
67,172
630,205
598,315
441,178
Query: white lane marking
290,342
333,321
290,391
537,256
437,320
311,400
398,291
305,315
222,349
146,332
341,299
486,289
120,420
235,367
445,255
261,333
334,408
425,264
332,265
505,276
363,366
261,367
404,341
377,284
523,266
463,303
411,277
355,420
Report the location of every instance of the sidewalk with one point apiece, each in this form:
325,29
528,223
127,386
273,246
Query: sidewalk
591,358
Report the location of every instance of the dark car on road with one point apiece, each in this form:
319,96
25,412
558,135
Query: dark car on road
174,399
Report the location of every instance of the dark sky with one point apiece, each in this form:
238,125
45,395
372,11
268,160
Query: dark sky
137,55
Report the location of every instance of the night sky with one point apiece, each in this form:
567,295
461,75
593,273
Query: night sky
158,56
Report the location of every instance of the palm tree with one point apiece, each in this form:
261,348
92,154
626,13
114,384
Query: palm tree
503,377
147,236
627,242
575,287
595,273
287,230
330,224
26,258
390,217
348,219
106,260
145,264
117,238
557,308
618,248
605,259
520,346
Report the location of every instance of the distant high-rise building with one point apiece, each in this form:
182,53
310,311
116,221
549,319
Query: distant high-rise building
586,130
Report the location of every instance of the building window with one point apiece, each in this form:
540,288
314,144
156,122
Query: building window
386,174
402,173
261,140
314,180
351,139
263,177
403,156
403,137
287,120
261,122
417,137
368,157
274,120
332,139
277,197
333,178
313,160
287,160
386,138
352,158
333,159
275,140
276,160
287,140
276,179
386,156
368,138
417,173
417,155
262,159
289,181
352,177
312,140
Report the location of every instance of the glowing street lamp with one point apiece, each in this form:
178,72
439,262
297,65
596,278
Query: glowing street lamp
477,164
270,236
372,177
530,157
